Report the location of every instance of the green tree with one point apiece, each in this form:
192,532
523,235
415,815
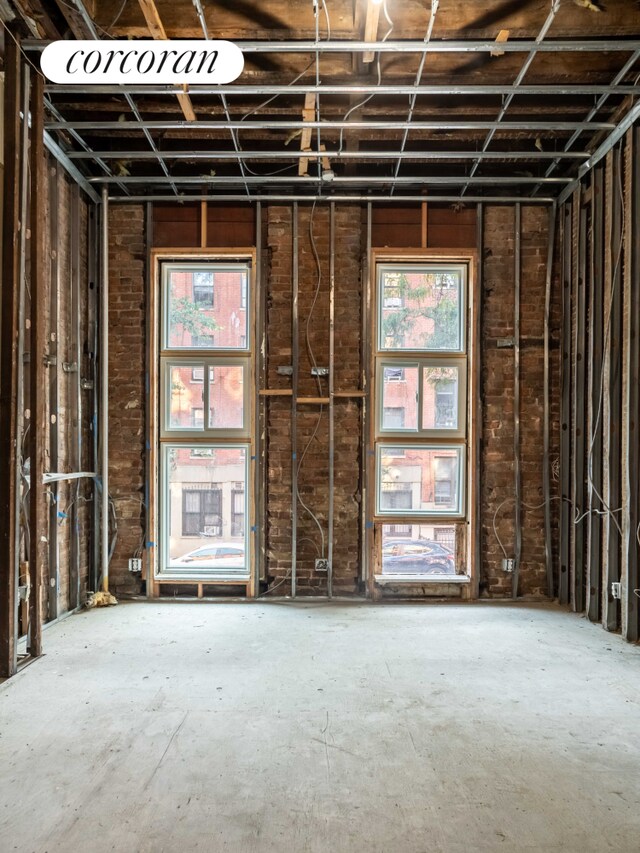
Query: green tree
432,300
192,319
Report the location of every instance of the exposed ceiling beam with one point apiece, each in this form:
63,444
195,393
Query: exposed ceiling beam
156,28
371,28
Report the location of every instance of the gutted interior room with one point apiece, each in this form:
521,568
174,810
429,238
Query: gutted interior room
319,412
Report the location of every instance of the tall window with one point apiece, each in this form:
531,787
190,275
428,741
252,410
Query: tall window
421,411
205,419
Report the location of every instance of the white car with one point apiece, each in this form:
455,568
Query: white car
223,555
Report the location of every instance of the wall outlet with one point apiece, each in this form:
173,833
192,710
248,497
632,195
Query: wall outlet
616,590
135,564
322,565
508,565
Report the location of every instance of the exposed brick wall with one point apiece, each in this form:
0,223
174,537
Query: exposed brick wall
312,422
127,347
127,330
498,396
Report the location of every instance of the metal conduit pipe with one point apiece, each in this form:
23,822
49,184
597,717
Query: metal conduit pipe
294,396
365,379
546,469
332,270
516,400
104,388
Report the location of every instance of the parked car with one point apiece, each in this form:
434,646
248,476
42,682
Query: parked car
227,555
417,557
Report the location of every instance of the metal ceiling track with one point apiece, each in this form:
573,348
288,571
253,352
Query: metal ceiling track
259,180
547,126
435,46
347,89
332,155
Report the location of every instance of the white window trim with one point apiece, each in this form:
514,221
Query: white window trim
458,513
440,433
204,266
168,571
188,432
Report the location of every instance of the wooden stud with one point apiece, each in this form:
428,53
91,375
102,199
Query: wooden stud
37,504
203,224
423,229
308,114
276,392
157,30
501,38
8,357
371,29
152,17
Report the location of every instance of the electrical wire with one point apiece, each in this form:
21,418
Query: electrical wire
596,426
379,75
95,24
312,360
278,94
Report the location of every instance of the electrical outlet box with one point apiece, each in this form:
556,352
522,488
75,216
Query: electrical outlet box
322,565
616,590
135,564
508,565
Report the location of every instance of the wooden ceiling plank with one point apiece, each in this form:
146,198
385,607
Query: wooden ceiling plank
152,17
371,28
308,114
157,30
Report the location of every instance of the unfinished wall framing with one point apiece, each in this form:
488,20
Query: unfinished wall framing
398,228
600,526
48,380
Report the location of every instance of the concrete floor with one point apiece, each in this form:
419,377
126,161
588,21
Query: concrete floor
341,727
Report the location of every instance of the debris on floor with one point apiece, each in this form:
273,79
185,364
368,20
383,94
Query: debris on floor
101,599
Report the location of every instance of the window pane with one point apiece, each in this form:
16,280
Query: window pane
186,408
418,549
206,512
207,308
419,479
420,309
440,398
400,398
226,396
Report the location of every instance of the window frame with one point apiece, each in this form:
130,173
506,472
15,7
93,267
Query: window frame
162,259
464,437
169,570
383,362
206,362
425,266
190,266
385,513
